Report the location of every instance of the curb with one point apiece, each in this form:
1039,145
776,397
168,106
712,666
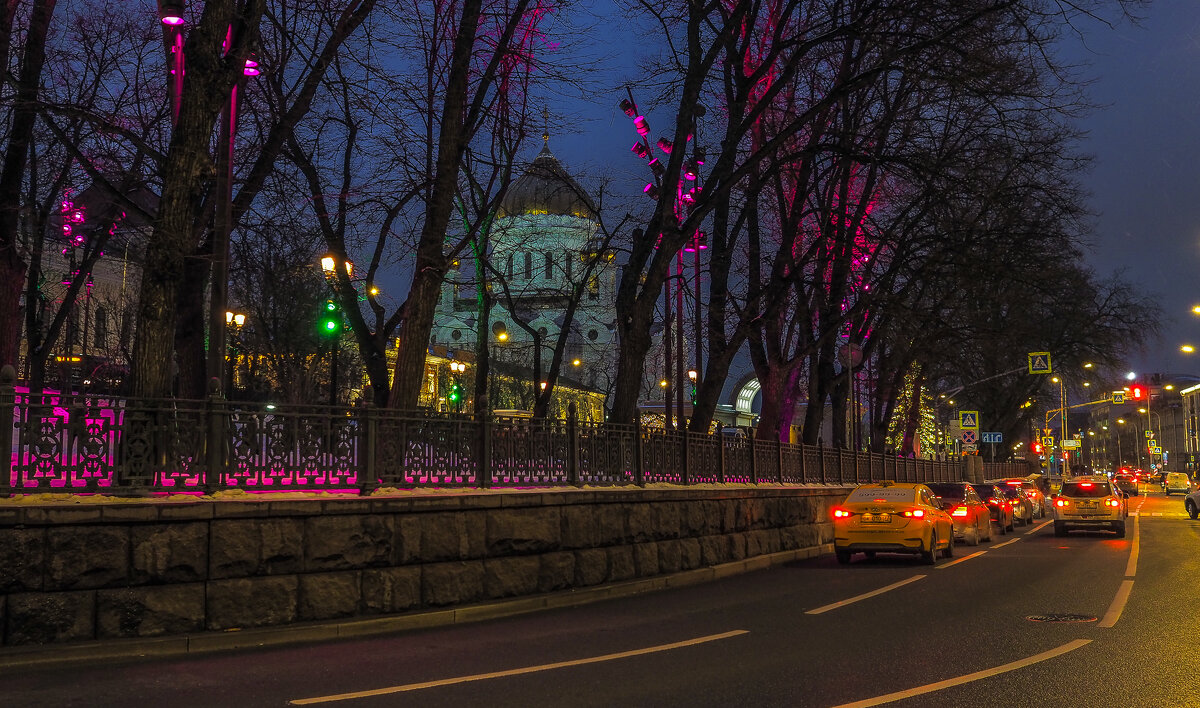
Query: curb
49,655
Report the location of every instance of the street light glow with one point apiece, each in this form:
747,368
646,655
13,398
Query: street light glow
1131,376
1187,349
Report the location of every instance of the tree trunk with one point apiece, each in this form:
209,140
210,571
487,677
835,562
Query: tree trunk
431,266
189,334
12,175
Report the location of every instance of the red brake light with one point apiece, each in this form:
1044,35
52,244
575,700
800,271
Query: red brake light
840,513
1014,484
1086,485
1061,502
1112,502
915,513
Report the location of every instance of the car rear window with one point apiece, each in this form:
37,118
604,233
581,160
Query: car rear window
1086,489
947,491
985,491
887,494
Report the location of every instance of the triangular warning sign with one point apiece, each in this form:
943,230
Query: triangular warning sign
1039,362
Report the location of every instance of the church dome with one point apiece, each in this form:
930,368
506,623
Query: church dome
546,188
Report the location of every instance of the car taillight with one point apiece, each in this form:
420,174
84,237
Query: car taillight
1112,502
1086,485
959,511
1061,502
915,513
840,513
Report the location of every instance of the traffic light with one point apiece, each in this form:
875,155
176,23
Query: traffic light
1137,392
455,395
1036,446
330,323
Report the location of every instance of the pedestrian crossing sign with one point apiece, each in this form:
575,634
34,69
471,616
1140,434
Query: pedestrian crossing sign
1048,442
968,420
1118,397
1039,363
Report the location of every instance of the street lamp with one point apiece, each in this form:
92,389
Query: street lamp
234,321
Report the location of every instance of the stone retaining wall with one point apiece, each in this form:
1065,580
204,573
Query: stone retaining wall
123,570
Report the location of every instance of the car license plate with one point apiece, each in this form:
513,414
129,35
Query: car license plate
876,518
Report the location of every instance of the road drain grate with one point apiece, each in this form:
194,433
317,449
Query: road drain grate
1060,617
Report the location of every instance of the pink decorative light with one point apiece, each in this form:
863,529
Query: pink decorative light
172,19
640,150
651,190
643,128
656,167
665,145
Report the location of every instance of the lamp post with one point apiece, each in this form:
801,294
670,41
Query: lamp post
333,322
171,13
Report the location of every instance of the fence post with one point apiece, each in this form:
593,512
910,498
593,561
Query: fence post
803,464
684,477
216,437
483,423
821,458
720,454
857,476
639,472
572,445
779,459
367,434
8,399
754,458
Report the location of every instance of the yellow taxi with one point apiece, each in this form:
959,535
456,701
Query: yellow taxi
892,517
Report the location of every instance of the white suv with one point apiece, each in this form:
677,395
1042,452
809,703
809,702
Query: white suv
1089,503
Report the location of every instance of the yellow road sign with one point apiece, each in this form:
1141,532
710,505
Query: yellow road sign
1039,363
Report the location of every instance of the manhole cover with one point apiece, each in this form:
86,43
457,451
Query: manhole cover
1060,617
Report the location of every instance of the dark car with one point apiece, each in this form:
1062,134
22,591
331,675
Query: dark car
1022,505
1126,483
998,504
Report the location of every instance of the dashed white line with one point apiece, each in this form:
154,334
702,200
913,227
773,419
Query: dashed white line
864,596
1002,545
968,678
515,672
1039,527
1131,566
976,554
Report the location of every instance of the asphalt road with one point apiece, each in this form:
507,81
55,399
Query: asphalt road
790,636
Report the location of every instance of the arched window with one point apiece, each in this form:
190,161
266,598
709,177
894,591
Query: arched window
529,265
549,265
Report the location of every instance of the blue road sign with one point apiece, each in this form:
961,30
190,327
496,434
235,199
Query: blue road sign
993,437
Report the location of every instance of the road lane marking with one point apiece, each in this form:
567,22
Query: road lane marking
1002,545
864,596
1039,527
968,678
515,672
976,554
1118,604
1131,567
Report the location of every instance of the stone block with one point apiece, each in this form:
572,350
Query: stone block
252,602
150,611
329,595
645,559
664,520
639,523
591,567
388,590
754,543
48,617
86,557
610,524
670,556
169,553
523,531
509,577
620,563
580,527
693,520
250,547
689,554
406,545
737,547
714,550
347,542
452,535
556,572
452,583
22,556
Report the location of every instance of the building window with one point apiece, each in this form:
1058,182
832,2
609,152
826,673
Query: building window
593,335
508,270
594,287
567,265
529,265
549,265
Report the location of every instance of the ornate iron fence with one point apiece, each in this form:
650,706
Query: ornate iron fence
62,443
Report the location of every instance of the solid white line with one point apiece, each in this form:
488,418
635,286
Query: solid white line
1039,527
1114,610
515,672
1131,567
976,554
864,596
968,678
1002,545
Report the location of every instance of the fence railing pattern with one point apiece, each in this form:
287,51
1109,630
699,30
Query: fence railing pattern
85,444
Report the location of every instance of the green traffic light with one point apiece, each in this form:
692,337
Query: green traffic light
330,306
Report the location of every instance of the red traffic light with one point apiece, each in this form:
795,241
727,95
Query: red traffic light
1036,446
1137,392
